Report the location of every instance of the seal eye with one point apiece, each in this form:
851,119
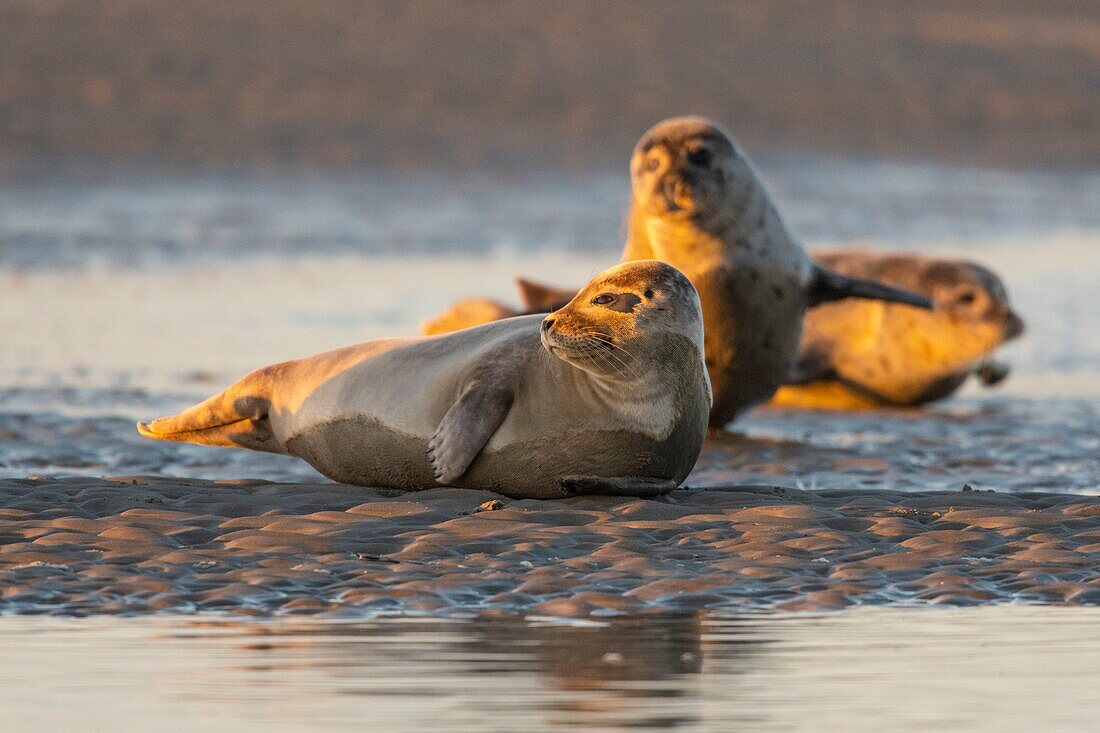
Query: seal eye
604,299
700,157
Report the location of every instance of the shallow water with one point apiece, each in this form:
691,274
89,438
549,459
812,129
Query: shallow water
1005,668
1002,443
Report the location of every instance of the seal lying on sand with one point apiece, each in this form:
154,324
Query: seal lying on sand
862,354
607,395
699,206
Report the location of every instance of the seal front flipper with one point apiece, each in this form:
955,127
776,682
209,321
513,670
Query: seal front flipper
468,425
641,486
813,365
826,285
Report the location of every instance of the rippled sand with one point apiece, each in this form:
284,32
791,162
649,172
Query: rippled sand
136,544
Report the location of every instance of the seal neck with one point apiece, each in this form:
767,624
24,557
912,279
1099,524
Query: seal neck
652,396
751,220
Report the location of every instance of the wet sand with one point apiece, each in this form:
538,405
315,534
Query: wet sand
83,546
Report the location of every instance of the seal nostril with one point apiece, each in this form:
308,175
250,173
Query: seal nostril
1014,325
547,323
701,157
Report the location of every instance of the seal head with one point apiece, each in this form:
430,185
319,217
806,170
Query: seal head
974,296
626,320
688,168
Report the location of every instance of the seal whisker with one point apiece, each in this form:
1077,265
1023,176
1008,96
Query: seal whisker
593,337
544,354
630,365
625,370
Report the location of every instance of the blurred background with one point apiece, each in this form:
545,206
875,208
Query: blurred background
190,190
478,84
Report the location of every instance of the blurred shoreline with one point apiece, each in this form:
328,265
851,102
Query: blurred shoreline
71,216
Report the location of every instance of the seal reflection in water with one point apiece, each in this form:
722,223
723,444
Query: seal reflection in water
861,354
608,395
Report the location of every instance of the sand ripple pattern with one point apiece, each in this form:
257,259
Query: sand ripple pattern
82,546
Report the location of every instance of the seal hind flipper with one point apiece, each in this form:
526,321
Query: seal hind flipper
641,486
467,427
827,285
235,417
466,314
540,298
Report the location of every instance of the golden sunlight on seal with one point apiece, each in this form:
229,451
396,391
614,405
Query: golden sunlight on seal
607,395
859,354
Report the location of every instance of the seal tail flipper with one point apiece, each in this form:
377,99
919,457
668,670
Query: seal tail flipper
827,285
236,417
466,314
540,298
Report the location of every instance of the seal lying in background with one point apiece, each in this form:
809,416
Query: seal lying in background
607,395
698,205
861,354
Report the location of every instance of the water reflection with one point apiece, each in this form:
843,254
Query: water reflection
622,672
989,668
610,672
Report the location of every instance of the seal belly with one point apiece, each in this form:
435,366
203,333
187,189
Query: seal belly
823,395
366,452
532,469
752,328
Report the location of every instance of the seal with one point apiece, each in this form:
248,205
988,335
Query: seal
698,204
862,354
608,395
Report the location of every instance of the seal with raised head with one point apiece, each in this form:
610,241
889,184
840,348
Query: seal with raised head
860,354
608,395
698,205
